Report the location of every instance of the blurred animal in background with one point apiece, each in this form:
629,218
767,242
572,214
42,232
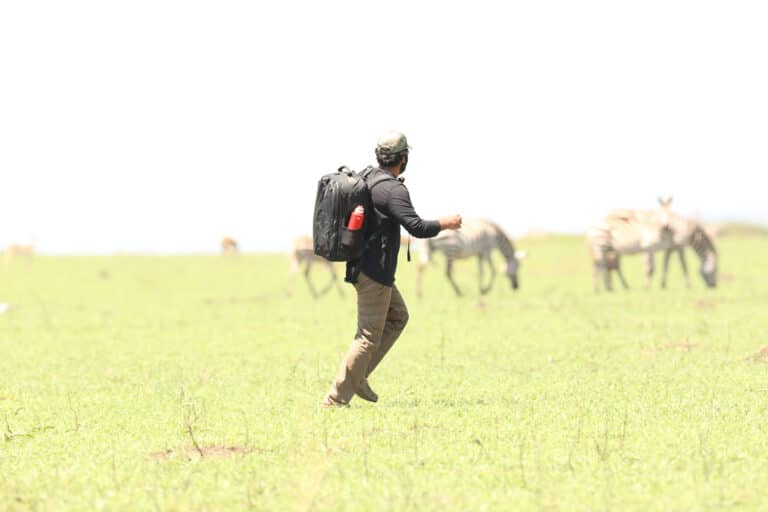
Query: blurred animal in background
13,252
647,231
703,245
605,258
691,232
229,246
302,253
477,237
407,243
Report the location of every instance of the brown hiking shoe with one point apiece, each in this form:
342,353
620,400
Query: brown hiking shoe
366,393
331,403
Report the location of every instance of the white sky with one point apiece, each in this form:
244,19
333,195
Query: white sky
158,126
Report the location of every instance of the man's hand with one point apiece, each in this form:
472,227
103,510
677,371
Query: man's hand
452,222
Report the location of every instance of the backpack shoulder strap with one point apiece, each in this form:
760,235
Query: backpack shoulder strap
373,178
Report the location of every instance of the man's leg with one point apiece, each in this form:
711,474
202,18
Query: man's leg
373,301
397,318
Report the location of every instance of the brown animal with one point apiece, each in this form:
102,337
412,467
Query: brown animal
302,252
13,251
229,246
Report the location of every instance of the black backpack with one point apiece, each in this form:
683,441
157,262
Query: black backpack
337,196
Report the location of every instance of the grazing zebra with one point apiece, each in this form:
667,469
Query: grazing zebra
694,234
302,252
638,231
229,246
475,238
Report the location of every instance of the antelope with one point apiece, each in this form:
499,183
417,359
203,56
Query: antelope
13,251
638,231
302,252
229,246
477,237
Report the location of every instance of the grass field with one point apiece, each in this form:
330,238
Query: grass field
114,370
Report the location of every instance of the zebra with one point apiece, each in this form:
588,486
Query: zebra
694,234
638,231
302,252
477,237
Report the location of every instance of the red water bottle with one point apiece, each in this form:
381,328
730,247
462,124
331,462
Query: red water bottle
356,219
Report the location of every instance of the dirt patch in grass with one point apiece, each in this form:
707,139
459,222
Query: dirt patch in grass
705,304
217,301
192,452
687,346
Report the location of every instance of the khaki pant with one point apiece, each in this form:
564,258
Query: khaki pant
381,317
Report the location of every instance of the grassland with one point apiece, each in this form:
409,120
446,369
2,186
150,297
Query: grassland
113,370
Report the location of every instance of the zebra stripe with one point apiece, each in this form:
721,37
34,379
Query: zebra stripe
477,237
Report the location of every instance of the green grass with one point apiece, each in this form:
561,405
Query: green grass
552,398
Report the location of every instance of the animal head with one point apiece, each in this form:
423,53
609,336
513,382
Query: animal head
665,202
665,213
705,249
708,270
513,267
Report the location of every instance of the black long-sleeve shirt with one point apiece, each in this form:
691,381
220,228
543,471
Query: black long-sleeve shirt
393,209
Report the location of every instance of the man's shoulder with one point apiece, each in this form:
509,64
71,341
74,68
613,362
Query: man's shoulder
382,184
377,174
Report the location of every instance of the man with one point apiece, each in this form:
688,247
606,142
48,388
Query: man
381,311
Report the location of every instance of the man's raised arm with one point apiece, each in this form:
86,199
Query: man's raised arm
401,208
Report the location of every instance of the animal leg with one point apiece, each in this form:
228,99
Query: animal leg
338,284
493,272
309,281
605,265
665,268
621,275
487,258
681,254
649,268
331,280
335,280
480,274
449,275
607,279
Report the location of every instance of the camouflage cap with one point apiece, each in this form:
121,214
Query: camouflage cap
392,142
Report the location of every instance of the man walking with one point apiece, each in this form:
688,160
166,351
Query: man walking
381,311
